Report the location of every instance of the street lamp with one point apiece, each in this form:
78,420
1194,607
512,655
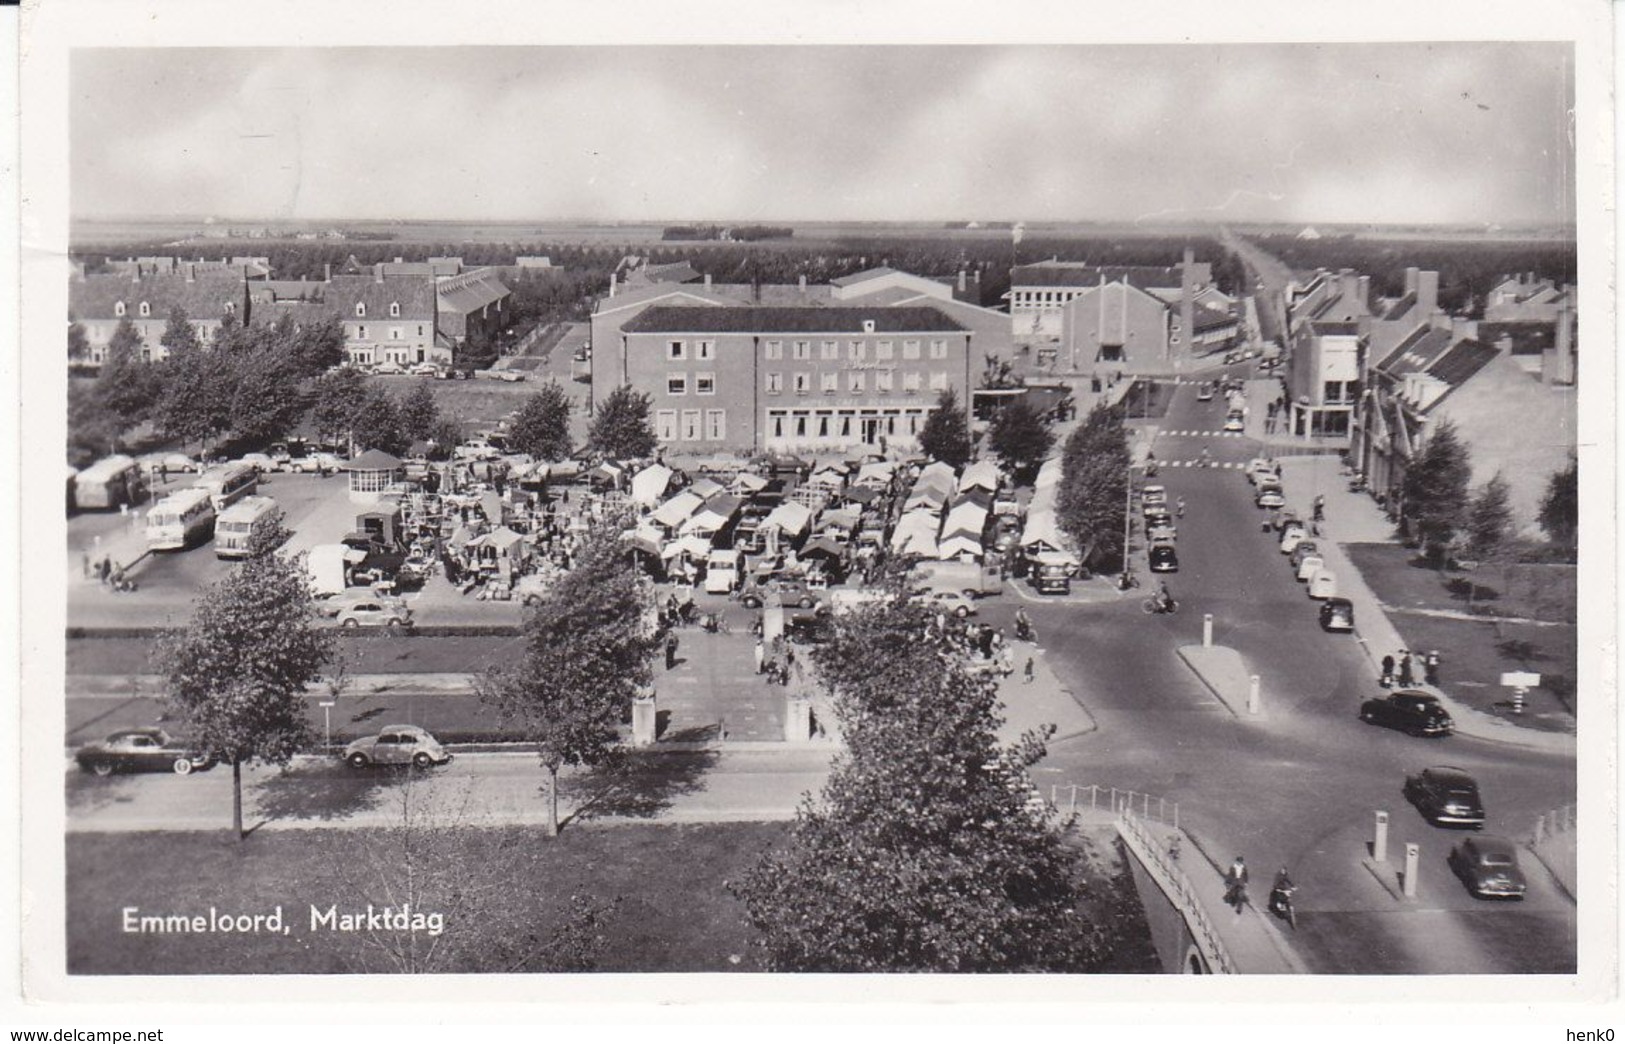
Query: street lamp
327,725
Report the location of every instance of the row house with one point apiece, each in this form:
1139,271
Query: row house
100,301
798,378
385,318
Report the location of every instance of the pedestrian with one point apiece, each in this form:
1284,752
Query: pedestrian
1430,667
1235,881
671,650
1406,676
1387,680
789,659
84,560
1027,672
761,655
104,570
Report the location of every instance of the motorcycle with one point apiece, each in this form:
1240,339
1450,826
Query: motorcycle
1024,631
1281,905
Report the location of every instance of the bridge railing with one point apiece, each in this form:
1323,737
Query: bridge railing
1171,879
1070,797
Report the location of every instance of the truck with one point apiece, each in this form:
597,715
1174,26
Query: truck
972,579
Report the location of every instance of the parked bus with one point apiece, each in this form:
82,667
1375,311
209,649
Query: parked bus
237,526
109,483
229,483
180,520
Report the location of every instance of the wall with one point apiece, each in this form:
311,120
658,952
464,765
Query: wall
1113,314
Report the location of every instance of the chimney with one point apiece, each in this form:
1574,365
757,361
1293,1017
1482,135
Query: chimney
802,284
708,280
1348,285
1187,300
1365,294
1560,363
961,280
612,284
1410,279
378,273
1427,291
327,272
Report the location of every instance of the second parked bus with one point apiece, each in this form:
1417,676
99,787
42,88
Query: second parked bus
229,483
237,526
180,520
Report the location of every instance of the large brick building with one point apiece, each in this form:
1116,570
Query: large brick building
797,378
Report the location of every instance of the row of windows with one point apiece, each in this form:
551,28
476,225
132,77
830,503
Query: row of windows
856,382
702,349
396,333
144,309
855,350
842,424
361,309
670,425
1031,298
704,384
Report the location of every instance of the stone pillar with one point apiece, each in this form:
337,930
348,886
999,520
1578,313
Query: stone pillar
1207,630
1254,702
1413,858
1379,843
643,720
797,718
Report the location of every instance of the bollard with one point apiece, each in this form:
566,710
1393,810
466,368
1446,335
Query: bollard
643,720
1207,630
1413,857
1252,695
1379,844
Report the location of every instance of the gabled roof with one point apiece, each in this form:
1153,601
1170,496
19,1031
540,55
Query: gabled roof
203,298
811,320
676,272
470,291
1417,352
342,293
1528,337
1399,308
1205,318
864,276
1063,273
1461,361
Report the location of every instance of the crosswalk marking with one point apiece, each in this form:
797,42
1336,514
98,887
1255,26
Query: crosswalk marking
1205,434
1216,464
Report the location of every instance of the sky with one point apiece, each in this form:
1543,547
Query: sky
1384,133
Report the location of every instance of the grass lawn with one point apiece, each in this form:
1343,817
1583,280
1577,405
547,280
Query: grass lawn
478,403
1477,651
659,892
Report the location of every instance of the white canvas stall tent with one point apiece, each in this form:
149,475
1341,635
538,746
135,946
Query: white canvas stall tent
984,474
677,510
705,488
1042,534
916,534
937,473
790,518
747,482
876,474
329,567
693,545
713,516
1049,475
649,485
959,543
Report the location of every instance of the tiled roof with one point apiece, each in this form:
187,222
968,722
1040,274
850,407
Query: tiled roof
205,297
471,291
1334,329
863,276
1461,361
1528,337
1068,274
718,293
670,319
343,292
676,272
1399,308
1206,318
1417,352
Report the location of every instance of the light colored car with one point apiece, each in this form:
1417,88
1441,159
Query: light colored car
331,607
375,612
1308,567
1161,531
311,463
951,602
397,745
1290,540
1302,550
1154,495
476,449
262,462
1269,497
180,462
424,369
1262,469
1234,423
1323,584
388,368
511,376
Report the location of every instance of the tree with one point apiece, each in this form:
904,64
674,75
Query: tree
1435,489
443,438
336,401
1560,507
945,436
126,386
318,346
928,849
542,425
179,334
266,399
78,343
93,432
418,412
1020,437
195,404
1094,484
236,674
586,658
377,424
620,426
1489,519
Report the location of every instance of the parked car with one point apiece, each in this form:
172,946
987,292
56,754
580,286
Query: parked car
1287,518
1323,584
951,602
1235,422
1308,567
1410,711
1204,392
1154,495
1263,469
1164,559
424,369
1488,866
791,592
330,607
375,612
1337,614
511,376
1161,532
388,368
180,462
1446,796
397,745
141,750
1302,550
1291,539
1155,513
1292,528
262,462
1269,496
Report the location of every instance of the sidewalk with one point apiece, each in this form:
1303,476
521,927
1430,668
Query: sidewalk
1043,701
1355,518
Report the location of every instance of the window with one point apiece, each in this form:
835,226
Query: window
691,425
882,349
118,308
361,333
801,350
676,384
420,331
360,309
394,308
230,308
939,381
396,333
868,326
829,383
774,350
145,309
829,350
705,349
705,384
911,349
666,425
911,383
775,383
939,348
856,351
803,382
854,382
778,426
676,350
1111,353
801,427
823,427
883,379
716,425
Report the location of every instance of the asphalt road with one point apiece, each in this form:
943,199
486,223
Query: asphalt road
1298,786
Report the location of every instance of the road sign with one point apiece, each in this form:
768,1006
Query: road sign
1520,679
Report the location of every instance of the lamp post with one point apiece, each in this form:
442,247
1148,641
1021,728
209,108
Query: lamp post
327,725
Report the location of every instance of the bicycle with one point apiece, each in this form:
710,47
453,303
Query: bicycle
1155,606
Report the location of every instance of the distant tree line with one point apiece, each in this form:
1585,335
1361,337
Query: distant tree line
1468,269
737,233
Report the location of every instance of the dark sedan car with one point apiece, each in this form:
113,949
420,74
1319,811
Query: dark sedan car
1488,866
1446,796
140,750
1164,559
1337,614
1414,712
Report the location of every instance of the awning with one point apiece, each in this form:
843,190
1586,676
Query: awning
860,494
822,547
842,518
705,488
713,516
789,517
959,542
984,474
877,473
504,538
916,534
649,485
692,545
937,473
674,511
747,482
643,540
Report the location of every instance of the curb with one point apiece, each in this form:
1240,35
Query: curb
1239,715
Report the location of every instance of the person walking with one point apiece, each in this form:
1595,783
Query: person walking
1235,881
84,561
1027,672
761,655
1387,680
671,650
1406,676
1430,667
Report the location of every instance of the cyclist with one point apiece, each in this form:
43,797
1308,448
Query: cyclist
1179,508
1207,458
1165,598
